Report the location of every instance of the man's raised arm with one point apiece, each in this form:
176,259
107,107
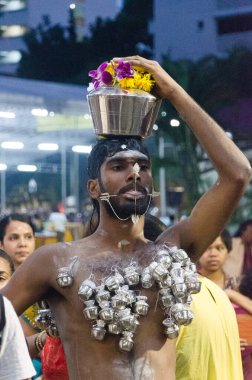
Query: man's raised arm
215,207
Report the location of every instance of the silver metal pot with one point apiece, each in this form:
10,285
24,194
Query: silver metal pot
128,112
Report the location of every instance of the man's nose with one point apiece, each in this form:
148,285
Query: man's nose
133,174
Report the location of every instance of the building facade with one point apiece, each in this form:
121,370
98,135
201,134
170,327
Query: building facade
17,17
192,29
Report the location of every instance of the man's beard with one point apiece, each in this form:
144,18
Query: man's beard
124,208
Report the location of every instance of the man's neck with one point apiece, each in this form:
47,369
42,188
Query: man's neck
121,233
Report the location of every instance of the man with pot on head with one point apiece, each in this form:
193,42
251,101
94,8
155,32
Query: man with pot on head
115,275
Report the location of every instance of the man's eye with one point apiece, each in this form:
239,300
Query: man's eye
117,168
144,167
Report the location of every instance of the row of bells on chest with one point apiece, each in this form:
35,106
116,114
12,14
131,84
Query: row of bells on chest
157,270
116,309
181,290
180,285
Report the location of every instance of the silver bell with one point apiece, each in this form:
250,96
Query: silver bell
114,328
171,328
119,301
43,318
182,314
131,276
126,343
179,289
180,256
191,267
164,258
146,279
166,282
113,282
193,284
91,310
64,277
127,320
168,300
160,272
102,295
86,290
106,313
177,272
98,331
141,307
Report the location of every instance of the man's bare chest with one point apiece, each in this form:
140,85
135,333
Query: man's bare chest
117,291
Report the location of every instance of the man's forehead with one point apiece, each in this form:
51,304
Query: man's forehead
126,155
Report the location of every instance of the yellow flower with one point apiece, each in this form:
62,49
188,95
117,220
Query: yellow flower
127,83
110,69
141,81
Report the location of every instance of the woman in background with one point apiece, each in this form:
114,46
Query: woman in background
17,239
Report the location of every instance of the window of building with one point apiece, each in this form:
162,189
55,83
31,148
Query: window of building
11,31
200,25
234,24
12,5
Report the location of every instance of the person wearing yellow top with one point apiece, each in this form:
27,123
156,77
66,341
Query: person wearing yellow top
209,348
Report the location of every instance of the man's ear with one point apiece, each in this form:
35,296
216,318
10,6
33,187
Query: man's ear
93,188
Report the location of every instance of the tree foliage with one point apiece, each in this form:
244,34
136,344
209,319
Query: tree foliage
54,54
213,82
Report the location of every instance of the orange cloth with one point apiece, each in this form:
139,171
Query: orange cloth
245,326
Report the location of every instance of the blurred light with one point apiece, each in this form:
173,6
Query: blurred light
229,134
7,115
72,6
12,56
12,145
51,113
163,114
87,116
82,148
174,123
26,168
155,127
39,112
3,167
11,31
178,189
14,5
48,146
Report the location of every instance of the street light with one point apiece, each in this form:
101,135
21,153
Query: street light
26,168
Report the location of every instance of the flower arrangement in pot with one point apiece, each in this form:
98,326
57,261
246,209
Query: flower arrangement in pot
120,101
121,74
